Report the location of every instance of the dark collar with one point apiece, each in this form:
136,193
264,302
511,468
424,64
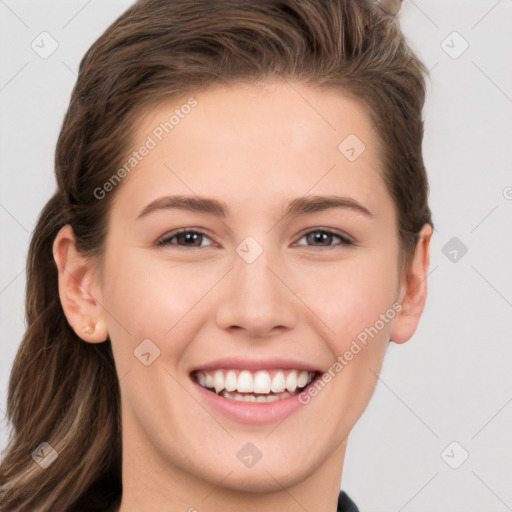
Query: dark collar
345,504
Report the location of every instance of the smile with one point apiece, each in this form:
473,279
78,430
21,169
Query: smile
255,386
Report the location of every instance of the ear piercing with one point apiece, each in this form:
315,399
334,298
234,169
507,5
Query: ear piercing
89,329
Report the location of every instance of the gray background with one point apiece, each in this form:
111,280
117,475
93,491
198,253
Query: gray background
453,381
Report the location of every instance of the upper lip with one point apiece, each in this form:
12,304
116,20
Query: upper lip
256,364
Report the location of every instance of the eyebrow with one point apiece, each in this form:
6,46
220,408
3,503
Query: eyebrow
295,207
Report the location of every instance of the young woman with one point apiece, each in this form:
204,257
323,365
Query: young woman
240,227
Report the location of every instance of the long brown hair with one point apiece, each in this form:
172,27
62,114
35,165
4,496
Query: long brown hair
64,391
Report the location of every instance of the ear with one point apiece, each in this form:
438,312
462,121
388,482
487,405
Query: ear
78,289
413,290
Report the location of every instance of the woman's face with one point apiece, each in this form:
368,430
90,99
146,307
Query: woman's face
290,262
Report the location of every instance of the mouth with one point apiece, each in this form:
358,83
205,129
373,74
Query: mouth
255,386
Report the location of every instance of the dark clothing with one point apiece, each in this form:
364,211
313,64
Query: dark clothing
345,504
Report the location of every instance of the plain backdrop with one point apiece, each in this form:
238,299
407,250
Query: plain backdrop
436,435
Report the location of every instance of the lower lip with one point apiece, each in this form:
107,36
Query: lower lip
250,413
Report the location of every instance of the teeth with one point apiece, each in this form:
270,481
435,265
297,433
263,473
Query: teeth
259,383
278,384
202,379
302,379
291,381
218,381
245,382
230,381
271,398
252,398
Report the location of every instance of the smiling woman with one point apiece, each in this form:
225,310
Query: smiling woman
243,266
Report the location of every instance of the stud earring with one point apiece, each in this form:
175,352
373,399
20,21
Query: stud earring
89,329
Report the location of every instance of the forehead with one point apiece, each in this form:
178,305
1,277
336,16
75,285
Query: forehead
252,145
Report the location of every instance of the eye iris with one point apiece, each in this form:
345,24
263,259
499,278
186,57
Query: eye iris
189,236
320,236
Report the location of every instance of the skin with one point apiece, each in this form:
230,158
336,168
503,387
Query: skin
254,147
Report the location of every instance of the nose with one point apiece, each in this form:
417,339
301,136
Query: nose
257,297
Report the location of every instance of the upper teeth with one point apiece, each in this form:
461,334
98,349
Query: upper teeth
261,381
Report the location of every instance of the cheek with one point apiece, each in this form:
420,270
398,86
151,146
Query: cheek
349,296
155,299
356,302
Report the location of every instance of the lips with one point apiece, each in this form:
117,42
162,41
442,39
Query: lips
253,392
253,365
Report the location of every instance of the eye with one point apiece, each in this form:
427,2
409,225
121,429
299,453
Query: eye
184,237
193,238
324,237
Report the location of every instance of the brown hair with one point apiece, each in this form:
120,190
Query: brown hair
65,391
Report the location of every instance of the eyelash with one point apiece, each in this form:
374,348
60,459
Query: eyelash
166,239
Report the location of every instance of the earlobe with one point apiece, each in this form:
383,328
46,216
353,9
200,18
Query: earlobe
78,289
413,290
